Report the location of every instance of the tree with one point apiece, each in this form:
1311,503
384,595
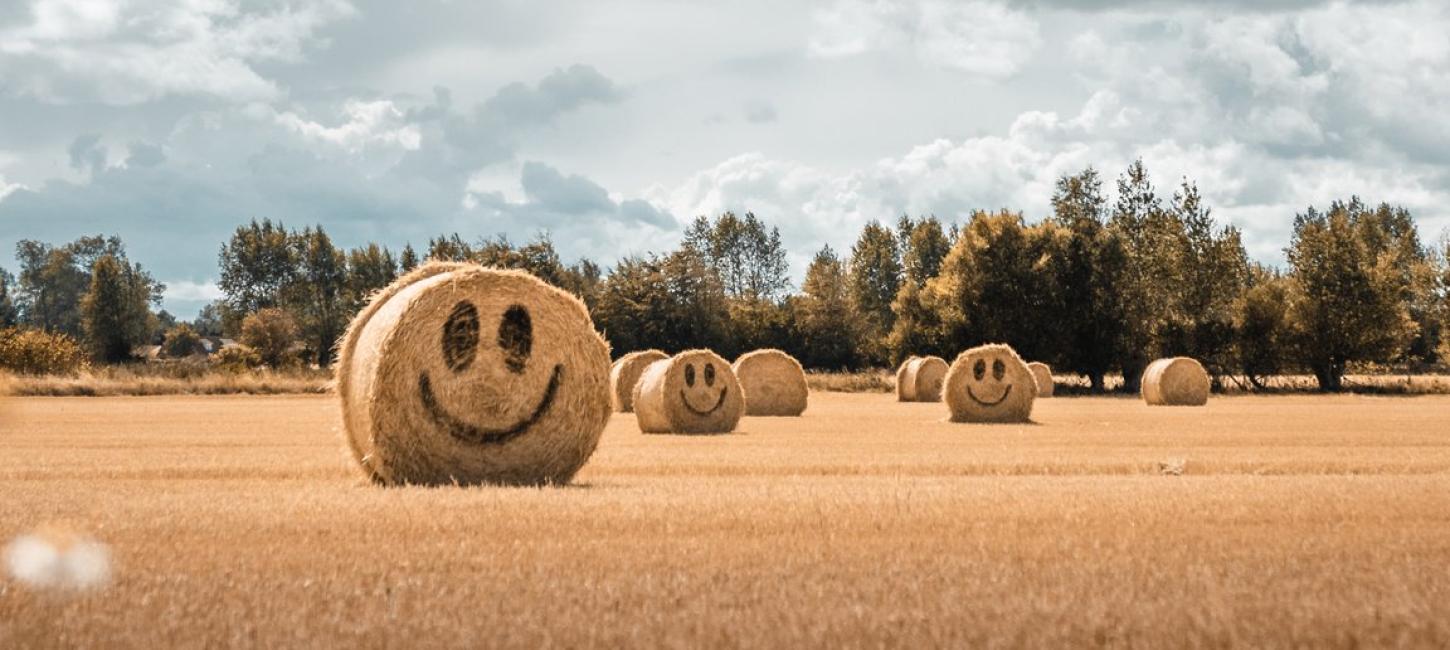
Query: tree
256,265
9,316
315,297
408,259
748,259
874,279
1260,325
271,333
181,341
208,322
924,245
1087,264
672,302
369,269
50,287
1152,240
115,311
824,320
1213,272
1351,273
450,248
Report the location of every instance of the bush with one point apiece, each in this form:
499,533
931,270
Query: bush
236,358
271,333
35,352
181,341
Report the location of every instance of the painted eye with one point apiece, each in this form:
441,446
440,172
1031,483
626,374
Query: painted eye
515,337
460,336
999,369
979,369
709,374
690,375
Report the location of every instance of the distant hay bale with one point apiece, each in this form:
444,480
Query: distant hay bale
990,383
920,379
773,383
691,392
456,373
624,374
1178,381
1042,373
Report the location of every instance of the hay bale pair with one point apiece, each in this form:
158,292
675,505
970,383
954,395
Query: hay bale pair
457,373
1176,381
1043,374
696,392
919,379
624,375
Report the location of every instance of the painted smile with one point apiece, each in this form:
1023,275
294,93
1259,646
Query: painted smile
716,407
978,400
466,432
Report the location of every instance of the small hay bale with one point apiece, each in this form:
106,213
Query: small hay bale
920,379
459,374
773,383
691,392
1178,381
1042,373
624,374
990,383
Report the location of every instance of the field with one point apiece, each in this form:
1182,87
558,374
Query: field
236,521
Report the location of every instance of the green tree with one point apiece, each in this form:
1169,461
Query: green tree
1351,282
1213,273
874,278
51,285
369,269
748,258
408,259
1261,325
924,245
450,248
208,321
9,316
1152,240
315,297
825,321
115,311
257,264
1088,264
181,341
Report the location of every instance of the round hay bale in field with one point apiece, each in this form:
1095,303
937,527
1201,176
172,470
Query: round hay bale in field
1042,373
990,383
624,374
1178,381
461,374
920,379
773,383
905,390
691,392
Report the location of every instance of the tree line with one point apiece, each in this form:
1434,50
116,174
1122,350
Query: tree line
1095,288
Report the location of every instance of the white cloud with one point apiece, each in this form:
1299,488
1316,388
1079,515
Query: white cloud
7,188
127,52
189,290
979,37
368,124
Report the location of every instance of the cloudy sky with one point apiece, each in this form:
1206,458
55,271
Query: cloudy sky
609,124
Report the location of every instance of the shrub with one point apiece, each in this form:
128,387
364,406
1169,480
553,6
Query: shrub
36,352
236,358
181,341
271,333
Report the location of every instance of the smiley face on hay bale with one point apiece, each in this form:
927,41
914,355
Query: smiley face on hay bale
990,383
1178,381
920,379
1042,373
460,374
691,392
773,383
624,374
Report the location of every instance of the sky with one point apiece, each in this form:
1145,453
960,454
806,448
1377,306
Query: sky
611,125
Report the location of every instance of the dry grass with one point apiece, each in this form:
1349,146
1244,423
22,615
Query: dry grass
170,379
865,381
237,521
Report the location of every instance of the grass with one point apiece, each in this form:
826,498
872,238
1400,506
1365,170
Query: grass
1298,521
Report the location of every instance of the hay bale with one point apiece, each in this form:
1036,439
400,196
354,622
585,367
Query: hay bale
905,390
1042,373
460,374
920,379
691,392
990,383
1179,381
624,374
772,383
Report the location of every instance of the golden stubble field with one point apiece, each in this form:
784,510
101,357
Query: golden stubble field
236,522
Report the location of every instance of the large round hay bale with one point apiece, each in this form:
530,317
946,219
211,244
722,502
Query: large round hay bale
1178,381
773,383
1042,373
905,390
920,379
624,374
990,383
460,374
691,392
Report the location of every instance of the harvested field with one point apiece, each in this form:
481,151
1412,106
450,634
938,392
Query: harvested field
237,521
